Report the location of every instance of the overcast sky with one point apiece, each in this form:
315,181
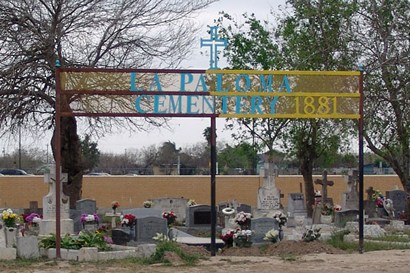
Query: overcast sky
186,131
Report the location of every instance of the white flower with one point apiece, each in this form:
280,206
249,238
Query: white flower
89,218
271,235
243,232
36,220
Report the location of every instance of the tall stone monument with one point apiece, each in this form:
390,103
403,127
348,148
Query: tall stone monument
350,199
48,224
268,198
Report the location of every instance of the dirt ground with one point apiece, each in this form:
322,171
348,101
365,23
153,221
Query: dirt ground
286,256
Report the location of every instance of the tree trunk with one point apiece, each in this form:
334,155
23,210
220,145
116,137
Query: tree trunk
306,170
71,159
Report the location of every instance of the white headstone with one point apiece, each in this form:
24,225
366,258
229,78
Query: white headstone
2,236
268,194
48,224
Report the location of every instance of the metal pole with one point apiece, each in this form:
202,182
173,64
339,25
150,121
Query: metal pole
213,186
361,181
19,146
58,161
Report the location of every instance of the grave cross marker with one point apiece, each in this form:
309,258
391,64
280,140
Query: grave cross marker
213,44
48,224
324,182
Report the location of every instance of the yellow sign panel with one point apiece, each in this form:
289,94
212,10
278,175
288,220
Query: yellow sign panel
225,93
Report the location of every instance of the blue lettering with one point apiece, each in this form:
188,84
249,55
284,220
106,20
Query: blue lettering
159,101
219,83
175,104
238,104
256,105
138,103
185,81
202,83
266,86
209,103
191,103
155,83
133,85
247,86
285,84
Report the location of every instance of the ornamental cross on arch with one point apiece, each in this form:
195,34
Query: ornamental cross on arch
213,43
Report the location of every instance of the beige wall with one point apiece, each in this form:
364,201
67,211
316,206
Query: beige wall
131,191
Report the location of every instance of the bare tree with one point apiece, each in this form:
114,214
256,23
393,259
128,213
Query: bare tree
88,33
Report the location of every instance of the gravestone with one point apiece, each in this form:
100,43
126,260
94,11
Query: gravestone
27,247
120,236
350,199
344,216
87,206
317,210
369,205
260,227
2,236
296,207
198,216
48,223
143,212
399,199
33,208
177,205
268,195
148,227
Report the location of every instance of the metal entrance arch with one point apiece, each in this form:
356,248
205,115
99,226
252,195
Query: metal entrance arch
208,93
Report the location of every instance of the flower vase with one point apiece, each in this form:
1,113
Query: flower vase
114,211
281,235
35,229
170,221
90,227
11,234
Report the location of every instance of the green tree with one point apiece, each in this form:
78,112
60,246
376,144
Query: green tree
311,37
241,156
316,37
90,33
383,39
251,46
90,153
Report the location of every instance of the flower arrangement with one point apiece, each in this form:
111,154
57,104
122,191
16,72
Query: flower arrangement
243,219
227,237
128,220
33,219
311,234
160,237
272,236
170,216
378,198
89,218
327,209
148,204
191,202
115,205
281,218
9,218
242,237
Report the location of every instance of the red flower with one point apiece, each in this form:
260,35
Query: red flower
128,220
